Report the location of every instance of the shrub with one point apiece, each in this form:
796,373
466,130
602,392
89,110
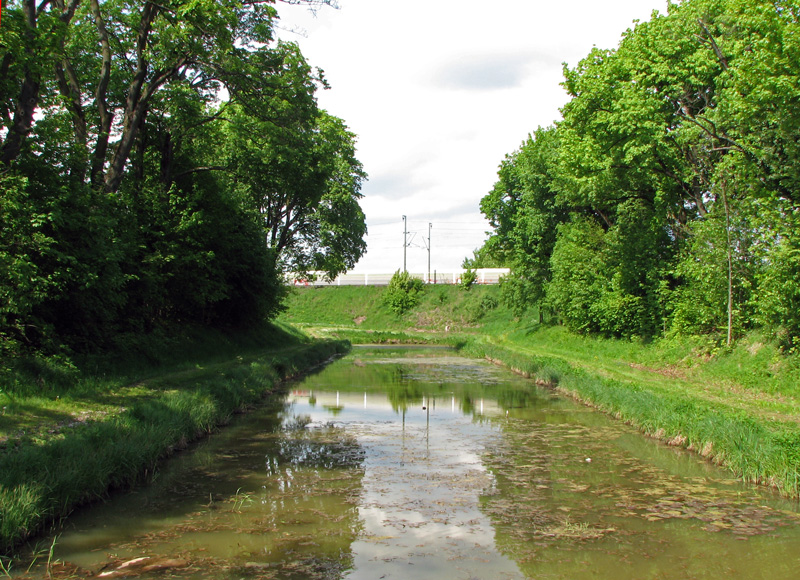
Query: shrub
468,278
403,292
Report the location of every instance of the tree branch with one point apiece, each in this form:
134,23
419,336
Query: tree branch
201,169
715,47
28,99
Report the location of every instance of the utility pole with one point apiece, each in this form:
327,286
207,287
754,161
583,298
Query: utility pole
429,252
405,241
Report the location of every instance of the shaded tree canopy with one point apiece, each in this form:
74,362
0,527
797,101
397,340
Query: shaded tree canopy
161,163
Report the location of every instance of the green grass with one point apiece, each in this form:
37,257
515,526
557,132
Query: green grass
55,412
443,309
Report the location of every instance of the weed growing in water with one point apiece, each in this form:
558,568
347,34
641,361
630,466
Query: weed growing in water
240,499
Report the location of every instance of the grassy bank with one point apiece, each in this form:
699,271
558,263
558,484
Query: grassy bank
752,440
70,433
738,407
443,311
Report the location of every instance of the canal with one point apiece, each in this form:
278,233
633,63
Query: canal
415,463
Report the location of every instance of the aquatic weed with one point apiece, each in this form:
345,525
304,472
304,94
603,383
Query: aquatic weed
240,499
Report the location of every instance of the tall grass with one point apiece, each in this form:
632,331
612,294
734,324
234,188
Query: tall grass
43,480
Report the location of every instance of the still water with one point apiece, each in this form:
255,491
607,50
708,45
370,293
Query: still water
414,463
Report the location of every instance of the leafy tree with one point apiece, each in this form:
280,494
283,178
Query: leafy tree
304,181
489,255
123,205
776,304
525,211
72,53
23,284
580,276
659,150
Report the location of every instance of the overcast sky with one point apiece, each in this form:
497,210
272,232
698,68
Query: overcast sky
438,93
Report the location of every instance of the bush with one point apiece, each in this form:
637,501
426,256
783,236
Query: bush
488,302
468,278
403,292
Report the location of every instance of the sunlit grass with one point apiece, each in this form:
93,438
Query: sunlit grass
442,309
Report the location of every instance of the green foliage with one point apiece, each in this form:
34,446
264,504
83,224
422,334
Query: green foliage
468,278
403,292
489,302
583,290
645,209
136,201
525,212
698,303
578,265
23,284
302,179
778,300
489,255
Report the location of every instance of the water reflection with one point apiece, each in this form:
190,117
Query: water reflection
622,506
423,476
418,464
271,496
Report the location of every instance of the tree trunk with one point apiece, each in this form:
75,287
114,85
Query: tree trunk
106,117
28,96
166,147
730,261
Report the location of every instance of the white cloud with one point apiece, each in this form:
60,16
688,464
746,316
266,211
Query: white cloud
438,92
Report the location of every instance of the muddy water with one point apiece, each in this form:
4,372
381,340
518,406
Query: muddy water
412,463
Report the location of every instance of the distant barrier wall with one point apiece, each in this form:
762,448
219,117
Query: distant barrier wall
484,276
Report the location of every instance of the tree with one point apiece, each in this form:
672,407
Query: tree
24,284
642,135
122,208
69,54
653,141
525,211
304,181
580,275
777,303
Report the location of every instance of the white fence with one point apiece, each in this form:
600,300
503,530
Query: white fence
484,276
